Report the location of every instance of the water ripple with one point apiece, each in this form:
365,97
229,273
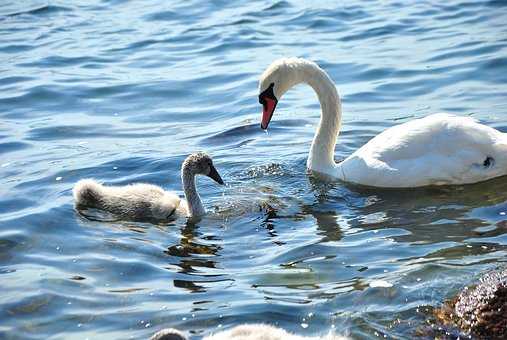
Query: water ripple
123,91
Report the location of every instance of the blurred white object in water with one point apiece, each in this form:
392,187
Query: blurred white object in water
245,332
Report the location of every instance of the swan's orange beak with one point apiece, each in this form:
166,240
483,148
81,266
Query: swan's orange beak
268,100
268,108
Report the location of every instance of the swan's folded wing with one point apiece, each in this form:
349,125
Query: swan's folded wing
438,149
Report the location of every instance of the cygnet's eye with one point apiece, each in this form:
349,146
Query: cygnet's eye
488,162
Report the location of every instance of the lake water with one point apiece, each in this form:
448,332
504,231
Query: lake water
123,91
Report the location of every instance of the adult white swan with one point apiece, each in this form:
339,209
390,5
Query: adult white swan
435,150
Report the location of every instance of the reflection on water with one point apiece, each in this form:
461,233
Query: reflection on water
123,91
204,252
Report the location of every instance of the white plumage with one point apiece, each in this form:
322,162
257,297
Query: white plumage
245,332
436,150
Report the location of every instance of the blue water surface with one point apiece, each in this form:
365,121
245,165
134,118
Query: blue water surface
123,91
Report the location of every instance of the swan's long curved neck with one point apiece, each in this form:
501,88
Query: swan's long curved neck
195,207
321,156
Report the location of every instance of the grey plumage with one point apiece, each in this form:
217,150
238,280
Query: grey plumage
146,201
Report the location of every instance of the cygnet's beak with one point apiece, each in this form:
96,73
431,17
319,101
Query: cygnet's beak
213,174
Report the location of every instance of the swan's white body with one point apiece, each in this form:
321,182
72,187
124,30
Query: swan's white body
244,332
146,201
436,150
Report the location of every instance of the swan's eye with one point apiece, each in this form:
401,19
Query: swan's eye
488,162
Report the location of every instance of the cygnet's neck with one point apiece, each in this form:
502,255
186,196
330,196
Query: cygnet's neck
321,156
195,207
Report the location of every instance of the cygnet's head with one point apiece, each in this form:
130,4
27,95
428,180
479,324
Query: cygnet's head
201,164
168,334
277,79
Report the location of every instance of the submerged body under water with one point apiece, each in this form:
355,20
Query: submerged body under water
123,91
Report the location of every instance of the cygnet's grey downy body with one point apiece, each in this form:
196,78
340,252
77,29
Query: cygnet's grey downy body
142,201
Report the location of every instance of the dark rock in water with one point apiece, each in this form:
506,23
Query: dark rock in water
480,310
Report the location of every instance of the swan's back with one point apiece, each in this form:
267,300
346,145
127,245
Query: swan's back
438,149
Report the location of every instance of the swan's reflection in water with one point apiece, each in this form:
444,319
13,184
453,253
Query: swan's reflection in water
450,212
